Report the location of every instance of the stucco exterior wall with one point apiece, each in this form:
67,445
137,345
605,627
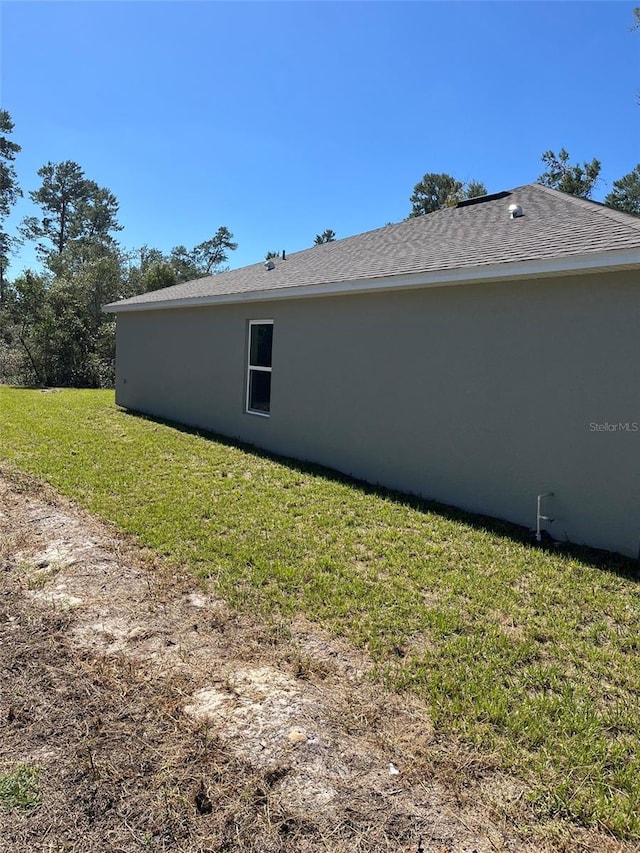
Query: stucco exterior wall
481,396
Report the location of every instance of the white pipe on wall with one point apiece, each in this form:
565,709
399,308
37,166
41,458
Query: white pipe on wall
540,517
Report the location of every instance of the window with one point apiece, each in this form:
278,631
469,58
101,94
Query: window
259,367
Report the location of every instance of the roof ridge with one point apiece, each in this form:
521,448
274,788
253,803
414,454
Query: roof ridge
600,207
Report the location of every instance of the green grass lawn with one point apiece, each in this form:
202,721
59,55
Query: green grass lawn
532,655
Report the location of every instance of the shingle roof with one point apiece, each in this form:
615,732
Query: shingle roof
554,225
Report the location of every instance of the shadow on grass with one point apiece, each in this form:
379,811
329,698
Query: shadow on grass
605,560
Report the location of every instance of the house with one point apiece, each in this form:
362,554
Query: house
481,355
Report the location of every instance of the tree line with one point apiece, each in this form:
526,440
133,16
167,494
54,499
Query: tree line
52,328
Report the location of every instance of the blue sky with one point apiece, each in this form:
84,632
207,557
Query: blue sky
279,120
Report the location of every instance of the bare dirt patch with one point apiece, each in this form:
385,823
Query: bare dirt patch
161,720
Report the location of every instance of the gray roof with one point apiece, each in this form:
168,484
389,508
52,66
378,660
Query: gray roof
467,237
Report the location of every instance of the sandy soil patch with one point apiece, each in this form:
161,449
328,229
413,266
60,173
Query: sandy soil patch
161,720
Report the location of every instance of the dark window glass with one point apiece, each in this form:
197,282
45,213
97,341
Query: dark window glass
261,340
259,390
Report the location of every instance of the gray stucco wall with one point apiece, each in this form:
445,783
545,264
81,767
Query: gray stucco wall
481,396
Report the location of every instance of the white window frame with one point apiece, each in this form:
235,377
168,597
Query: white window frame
256,367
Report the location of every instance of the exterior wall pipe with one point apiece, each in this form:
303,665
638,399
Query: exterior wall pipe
540,517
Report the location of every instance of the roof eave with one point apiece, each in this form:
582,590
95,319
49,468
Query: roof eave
539,268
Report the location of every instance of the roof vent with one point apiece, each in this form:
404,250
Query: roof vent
515,211
270,264
480,199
